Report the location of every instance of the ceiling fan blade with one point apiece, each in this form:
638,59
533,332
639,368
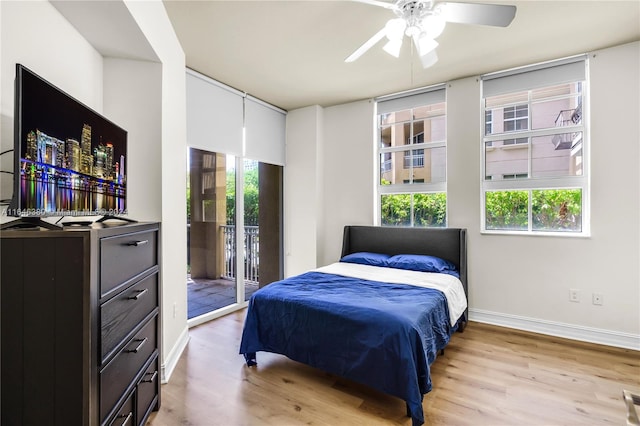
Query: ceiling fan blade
366,46
477,13
386,5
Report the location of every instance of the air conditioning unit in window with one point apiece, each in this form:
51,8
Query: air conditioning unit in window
566,140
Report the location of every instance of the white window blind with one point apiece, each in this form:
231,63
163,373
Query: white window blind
526,78
399,102
214,115
264,132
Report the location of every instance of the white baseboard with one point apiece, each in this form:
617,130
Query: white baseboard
169,364
568,331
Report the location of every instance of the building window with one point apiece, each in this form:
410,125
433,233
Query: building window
488,122
516,118
518,141
412,182
515,176
535,167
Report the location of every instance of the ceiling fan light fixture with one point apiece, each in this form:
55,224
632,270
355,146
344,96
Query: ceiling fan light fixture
394,29
429,59
425,44
392,47
433,25
424,20
413,31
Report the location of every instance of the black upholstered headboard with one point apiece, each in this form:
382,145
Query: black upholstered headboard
446,243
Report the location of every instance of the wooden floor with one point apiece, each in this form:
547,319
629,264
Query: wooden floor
488,376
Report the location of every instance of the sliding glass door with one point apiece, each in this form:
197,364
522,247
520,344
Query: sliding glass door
211,274
234,210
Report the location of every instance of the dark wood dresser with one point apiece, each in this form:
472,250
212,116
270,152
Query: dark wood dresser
80,324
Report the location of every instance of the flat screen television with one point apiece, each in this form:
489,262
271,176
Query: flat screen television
68,159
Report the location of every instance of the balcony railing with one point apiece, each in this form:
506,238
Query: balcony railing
567,117
417,159
251,252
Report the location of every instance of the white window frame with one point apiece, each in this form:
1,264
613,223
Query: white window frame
537,75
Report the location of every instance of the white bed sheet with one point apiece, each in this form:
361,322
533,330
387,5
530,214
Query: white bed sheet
449,285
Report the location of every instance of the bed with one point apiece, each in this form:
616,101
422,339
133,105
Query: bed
374,317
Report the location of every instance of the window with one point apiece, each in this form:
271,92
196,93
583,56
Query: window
488,122
412,182
516,118
233,172
515,176
534,142
518,141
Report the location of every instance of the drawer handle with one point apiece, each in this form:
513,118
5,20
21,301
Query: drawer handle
128,417
137,348
138,295
153,377
138,243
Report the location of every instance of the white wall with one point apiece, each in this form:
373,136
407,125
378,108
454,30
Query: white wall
302,189
63,57
132,99
171,171
518,281
349,173
146,98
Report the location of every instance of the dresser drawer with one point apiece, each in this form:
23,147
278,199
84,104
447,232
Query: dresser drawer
123,312
124,256
125,416
147,392
120,373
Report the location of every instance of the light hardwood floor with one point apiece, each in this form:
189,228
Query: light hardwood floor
488,376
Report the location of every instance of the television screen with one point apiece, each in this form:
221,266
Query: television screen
70,160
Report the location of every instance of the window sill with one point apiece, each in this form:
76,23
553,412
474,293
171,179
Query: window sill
514,146
537,233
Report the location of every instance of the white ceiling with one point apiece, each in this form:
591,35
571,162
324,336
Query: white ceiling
291,53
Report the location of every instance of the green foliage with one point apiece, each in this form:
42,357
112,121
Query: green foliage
251,203
188,203
396,209
557,209
251,197
507,209
428,209
231,197
551,210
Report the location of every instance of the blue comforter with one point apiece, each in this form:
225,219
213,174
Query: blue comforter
378,334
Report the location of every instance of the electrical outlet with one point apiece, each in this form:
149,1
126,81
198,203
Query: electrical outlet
597,298
574,295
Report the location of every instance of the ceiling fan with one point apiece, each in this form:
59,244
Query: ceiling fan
424,20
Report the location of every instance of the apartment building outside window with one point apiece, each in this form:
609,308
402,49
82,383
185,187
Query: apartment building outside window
535,144
412,182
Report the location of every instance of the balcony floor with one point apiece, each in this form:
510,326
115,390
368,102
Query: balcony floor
206,295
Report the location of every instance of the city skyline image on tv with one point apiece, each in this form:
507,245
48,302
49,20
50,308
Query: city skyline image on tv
72,159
